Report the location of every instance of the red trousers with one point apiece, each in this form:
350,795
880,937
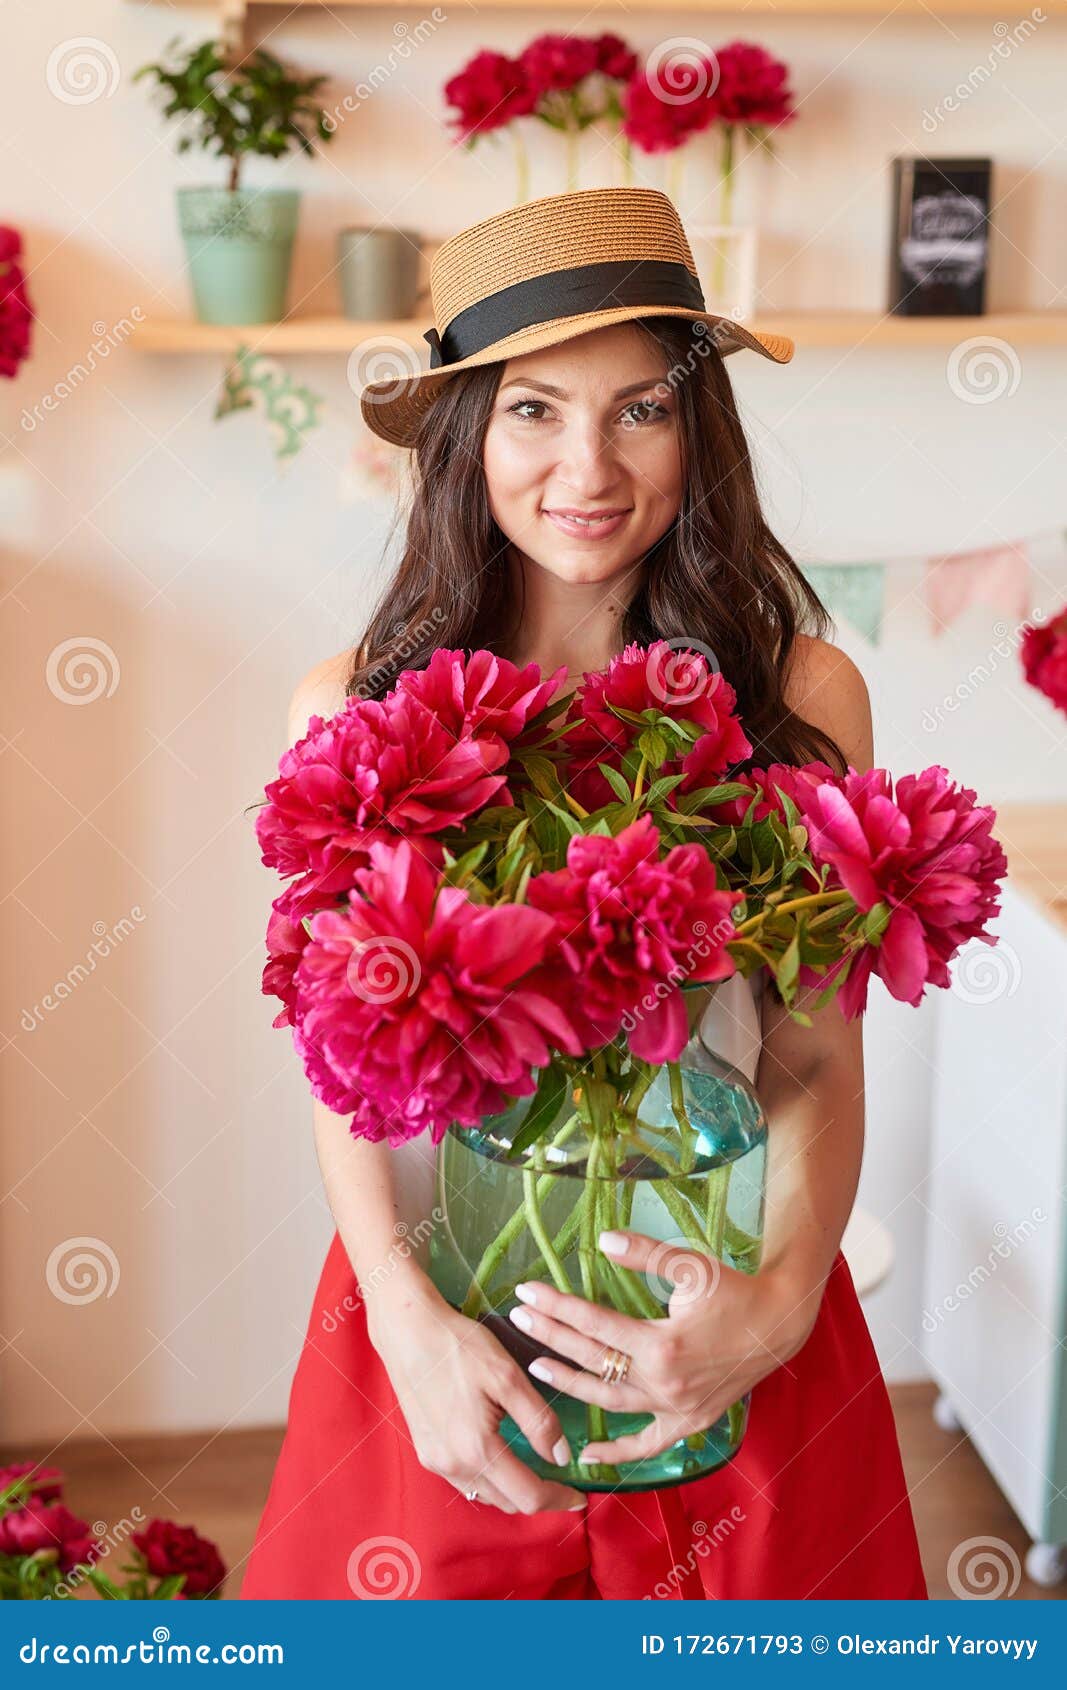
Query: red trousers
813,1505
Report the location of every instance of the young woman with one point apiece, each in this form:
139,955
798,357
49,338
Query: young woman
583,481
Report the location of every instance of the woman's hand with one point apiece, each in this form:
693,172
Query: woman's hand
454,1383
724,1332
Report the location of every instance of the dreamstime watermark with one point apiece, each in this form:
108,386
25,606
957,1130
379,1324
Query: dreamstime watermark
986,973
721,933
408,1239
982,369
681,70
679,1273
411,641
1008,1241
407,39
108,939
105,341
1005,645
109,1538
1007,39
81,670
383,359
680,671
383,1569
384,969
983,1569
81,70
705,1539
706,339
82,1270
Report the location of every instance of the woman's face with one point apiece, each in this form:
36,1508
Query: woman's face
585,428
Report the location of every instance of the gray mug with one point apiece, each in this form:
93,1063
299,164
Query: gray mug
378,271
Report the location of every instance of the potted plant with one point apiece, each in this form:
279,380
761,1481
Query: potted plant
238,241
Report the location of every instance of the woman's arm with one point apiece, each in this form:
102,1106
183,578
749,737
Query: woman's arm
453,1380
810,1079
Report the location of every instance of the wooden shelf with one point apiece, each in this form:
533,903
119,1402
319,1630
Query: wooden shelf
235,10
320,335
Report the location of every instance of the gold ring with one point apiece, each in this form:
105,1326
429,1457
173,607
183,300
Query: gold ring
615,1366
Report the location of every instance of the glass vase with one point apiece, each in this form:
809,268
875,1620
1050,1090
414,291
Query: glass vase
677,1153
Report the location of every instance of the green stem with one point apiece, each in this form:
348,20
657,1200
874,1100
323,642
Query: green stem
477,1299
823,898
717,1184
681,1115
522,166
535,1222
587,1258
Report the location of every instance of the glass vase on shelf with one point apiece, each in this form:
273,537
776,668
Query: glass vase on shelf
676,1152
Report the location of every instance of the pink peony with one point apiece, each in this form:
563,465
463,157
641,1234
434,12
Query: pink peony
48,1526
657,124
424,1001
632,928
16,312
752,87
480,694
169,1549
680,684
928,852
374,770
613,57
558,62
46,1485
765,785
487,93
1044,655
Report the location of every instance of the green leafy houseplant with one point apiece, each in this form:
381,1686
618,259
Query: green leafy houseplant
238,241
253,106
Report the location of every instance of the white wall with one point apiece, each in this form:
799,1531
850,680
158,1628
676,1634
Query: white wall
156,1109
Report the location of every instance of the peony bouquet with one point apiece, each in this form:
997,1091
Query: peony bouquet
505,912
485,885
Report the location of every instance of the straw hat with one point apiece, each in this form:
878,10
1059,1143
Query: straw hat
543,272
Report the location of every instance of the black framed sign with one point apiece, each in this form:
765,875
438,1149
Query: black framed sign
940,236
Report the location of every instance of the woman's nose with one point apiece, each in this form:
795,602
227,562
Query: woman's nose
588,461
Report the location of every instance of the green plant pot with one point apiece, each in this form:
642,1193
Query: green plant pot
238,247
702,1191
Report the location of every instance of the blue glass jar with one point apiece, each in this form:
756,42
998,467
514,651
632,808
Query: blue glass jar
681,1159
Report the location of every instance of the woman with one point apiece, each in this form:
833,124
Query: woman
583,482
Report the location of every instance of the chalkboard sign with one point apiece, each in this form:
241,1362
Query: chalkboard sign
940,237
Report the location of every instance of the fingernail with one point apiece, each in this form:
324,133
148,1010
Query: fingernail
585,1456
575,1507
520,1318
561,1453
526,1293
613,1243
541,1371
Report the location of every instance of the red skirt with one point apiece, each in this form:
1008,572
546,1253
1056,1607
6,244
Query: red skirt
813,1505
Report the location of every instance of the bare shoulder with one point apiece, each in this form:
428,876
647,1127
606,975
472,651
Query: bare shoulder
824,687
320,693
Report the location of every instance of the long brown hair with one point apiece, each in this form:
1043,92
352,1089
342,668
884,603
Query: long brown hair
718,577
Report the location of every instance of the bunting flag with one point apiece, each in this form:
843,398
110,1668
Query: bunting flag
853,592
997,576
254,382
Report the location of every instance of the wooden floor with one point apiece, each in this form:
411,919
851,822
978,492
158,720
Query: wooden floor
219,1483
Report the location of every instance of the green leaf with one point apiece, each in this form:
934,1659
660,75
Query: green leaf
615,780
652,745
661,787
545,1105
566,820
789,966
